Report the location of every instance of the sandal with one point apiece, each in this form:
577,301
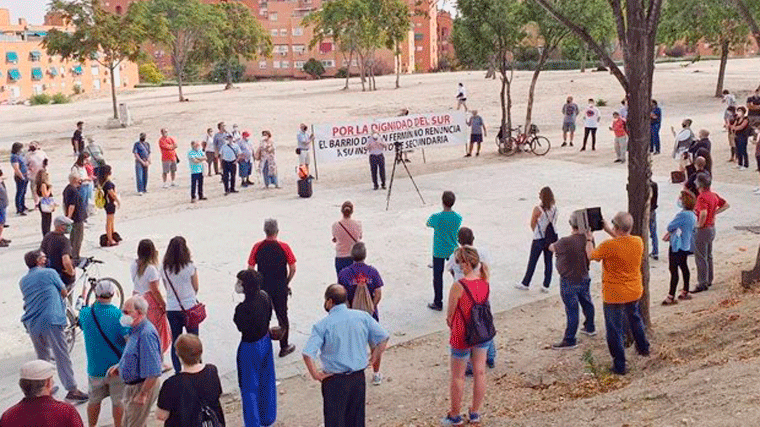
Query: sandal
684,295
670,300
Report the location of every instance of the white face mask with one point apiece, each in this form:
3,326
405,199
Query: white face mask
239,287
126,320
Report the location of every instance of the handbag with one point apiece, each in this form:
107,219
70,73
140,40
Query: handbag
362,299
195,315
348,232
47,205
549,235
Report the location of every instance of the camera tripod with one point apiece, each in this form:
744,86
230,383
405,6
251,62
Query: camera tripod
400,159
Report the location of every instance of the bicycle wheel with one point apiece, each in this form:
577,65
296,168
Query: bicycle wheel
540,145
70,330
118,297
510,146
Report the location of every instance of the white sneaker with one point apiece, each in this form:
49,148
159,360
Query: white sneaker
521,287
544,289
756,192
174,184
166,185
140,193
377,378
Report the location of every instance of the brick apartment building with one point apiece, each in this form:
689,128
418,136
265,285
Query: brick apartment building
26,69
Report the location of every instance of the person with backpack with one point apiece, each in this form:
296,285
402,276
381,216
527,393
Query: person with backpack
364,289
104,343
542,222
346,232
191,397
471,323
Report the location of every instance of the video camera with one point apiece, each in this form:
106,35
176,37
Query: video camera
590,219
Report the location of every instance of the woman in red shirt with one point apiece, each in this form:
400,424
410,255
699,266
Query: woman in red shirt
459,309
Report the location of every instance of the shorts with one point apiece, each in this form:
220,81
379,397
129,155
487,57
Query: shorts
169,166
476,137
303,157
110,208
2,216
100,388
465,354
568,127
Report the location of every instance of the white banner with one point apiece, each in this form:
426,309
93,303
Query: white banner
343,141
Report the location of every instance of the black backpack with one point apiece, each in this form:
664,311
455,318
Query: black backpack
480,329
550,235
206,416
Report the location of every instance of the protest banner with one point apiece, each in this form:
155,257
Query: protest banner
348,140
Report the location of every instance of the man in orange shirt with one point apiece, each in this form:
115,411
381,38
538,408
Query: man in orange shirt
621,286
168,156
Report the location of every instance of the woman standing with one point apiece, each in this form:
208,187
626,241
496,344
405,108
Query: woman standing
183,396
246,160
20,176
255,358
181,282
730,120
680,231
145,277
346,232
112,201
542,222
475,286
265,156
45,192
80,168
742,131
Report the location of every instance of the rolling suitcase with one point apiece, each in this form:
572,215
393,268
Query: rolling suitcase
304,187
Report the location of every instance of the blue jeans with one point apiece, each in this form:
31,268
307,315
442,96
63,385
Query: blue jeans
653,232
21,186
536,249
377,164
85,191
654,141
141,178
176,324
256,379
573,293
438,264
268,179
615,318
196,185
742,158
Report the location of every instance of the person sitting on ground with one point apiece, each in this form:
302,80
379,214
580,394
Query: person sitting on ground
684,138
680,235
574,287
38,408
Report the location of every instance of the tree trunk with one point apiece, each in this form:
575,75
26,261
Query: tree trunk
229,75
348,68
724,45
583,59
751,22
113,92
362,70
503,99
532,90
397,55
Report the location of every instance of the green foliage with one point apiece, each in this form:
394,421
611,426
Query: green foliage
711,21
60,98
78,89
41,99
314,68
487,31
149,73
601,102
224,69
341,73
240,35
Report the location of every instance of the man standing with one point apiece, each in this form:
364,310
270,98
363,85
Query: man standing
75,208
461,97
708,205
360,274
477,133
569,113
572,266
655,254
3,206
277,264
57,248
77,140
140,364
621,137
753,110
304,144
196,158
445,225
341,340
141,151
104,343
655,118
36,160
591,123
96,155
229,154
220,138
621,286
168,157
623,111
375,148
38,408
45,317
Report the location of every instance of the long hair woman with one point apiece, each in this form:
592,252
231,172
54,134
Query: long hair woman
543,216
742,131
181,282
80,167
266,156
346,232
460,305
112,201
44,191
145,277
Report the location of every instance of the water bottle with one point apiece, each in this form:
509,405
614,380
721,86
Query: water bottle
79,304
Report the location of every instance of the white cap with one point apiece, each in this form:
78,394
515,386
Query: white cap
104,288
37,370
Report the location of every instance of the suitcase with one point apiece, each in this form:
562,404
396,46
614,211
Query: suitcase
304,187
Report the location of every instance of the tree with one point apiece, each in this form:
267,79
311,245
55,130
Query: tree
107,38
636,23
191,32
711,21
397,22
487,29
743,6
240,35
314,68
338,21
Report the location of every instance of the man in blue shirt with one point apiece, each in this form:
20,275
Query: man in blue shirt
655,118
45,317
229,153
140,364
445,225
141,151
341,340
104,343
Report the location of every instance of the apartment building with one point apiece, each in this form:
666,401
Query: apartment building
26,69
444,24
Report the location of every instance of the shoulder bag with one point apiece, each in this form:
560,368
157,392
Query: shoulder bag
348,232
549,235
206,416
193,316
481,328
108,341
47,204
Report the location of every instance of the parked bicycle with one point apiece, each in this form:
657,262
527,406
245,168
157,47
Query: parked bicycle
88,280
523,142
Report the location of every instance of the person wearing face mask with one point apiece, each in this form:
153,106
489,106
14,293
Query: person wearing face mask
38,407
45,317
742,130
58,249
255,357
592,117
341,340
140,364
375,148
680,232
36,161
75,208
141,151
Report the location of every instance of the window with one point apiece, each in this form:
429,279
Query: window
418,36
77,70
285,64
328,63
281,49
284,32
11,57
297,31
273,16
263,12
95,70
299,48
325,47
15,92
274,32
299,65
275,64
53,71
353,63
96,84
36,74
419,48
37,89
35,56
262,65
14,75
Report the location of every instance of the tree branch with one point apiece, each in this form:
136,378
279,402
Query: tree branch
619,21
747,15
653,18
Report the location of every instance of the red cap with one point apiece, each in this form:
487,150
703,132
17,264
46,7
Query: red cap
246,134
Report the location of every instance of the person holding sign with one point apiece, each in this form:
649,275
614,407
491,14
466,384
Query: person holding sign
375,148
304,143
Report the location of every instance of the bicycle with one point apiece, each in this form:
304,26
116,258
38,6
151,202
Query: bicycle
531,141
89,282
